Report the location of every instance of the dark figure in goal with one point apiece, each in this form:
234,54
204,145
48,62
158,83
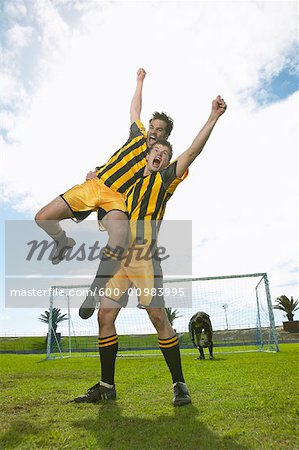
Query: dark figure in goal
198,324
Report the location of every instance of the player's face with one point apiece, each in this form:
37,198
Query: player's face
156,130
158,158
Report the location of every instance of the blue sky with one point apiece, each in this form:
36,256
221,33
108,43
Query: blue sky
67,76
281,85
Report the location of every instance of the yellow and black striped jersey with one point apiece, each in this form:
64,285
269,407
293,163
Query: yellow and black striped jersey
146,202
126,165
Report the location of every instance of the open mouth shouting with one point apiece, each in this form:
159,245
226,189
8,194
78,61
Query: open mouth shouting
151,140
157,158
156,162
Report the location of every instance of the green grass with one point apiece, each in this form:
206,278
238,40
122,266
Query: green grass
239,401
15,344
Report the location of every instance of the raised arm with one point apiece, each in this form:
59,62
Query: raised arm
136,103
186,158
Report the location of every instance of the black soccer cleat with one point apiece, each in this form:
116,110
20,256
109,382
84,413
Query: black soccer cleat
181,394
97,393
88,306
63,244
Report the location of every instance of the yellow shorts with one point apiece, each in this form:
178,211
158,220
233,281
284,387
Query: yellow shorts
145,275
93,195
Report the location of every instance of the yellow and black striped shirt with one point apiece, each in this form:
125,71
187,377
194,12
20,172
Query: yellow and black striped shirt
146,202
127,164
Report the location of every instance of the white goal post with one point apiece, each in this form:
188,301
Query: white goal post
239,307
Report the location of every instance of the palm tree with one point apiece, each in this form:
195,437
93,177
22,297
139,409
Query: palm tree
172,314
57,317
289,306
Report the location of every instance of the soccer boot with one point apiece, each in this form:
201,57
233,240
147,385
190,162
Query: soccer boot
88,306
181,394
63,244
97,393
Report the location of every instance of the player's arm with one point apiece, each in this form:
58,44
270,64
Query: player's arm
186,158
209,335
210,324
136,103
208,331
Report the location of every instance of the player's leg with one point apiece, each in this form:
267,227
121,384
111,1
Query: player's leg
168,341
76,203
147,276
116,223
211,350
108,347
169,345
48,218
199,346
201,352
108,341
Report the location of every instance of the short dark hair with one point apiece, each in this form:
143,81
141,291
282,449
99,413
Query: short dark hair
167,119
165,143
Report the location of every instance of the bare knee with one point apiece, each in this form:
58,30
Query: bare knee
117,225
40,216
56,210
107,316
159,319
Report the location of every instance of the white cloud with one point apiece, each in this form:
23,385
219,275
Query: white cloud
19,36
12,91
246,190
54,31
7,120
15,10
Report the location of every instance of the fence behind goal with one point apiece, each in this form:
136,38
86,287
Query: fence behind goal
239,307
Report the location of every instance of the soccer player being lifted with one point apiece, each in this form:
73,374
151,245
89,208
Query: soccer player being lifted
105,192
199,323
146,202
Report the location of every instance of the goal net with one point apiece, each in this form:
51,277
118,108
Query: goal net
239,307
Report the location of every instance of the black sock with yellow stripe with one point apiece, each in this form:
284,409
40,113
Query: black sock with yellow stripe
171,352
108,347
109,265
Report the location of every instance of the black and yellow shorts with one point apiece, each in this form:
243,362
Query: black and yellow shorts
93,195
145,275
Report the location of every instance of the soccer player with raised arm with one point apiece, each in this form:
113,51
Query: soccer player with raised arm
105,193
146,202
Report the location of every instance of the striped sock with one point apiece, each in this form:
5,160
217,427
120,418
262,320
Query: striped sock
171,352
109,265
108,347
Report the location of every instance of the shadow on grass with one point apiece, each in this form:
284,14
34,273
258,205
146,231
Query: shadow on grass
182,430
14,437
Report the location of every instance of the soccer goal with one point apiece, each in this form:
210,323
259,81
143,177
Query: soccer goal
239,307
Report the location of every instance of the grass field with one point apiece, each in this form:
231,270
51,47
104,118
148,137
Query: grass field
239,401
